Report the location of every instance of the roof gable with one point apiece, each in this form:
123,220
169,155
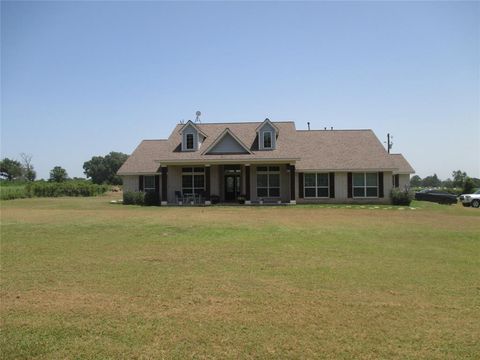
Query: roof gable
190,123
227,143
267,121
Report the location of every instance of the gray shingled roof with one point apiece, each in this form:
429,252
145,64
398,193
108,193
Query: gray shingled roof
339,150
401,164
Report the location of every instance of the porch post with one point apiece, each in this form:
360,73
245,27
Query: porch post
164,186
207,185
292,185
247,184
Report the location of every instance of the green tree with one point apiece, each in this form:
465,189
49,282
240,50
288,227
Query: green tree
447,184
459,178
468,186
10,169
431,181
103,169
416,181
58,174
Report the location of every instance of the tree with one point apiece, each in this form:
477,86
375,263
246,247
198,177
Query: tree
416,181
468,186
458,178
58,174
447,184
27,168
104,169
10,169
431,181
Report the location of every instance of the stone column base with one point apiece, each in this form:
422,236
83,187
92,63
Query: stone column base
164,203
208,202
248,202
293,202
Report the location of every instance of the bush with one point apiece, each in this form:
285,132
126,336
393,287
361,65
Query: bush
69,188
214,199
468,186
401,197
151,198
14,192
133,198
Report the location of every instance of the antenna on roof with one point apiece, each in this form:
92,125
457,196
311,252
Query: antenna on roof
182,121
197,119
308,124
331,127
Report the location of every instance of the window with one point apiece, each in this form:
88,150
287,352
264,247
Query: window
316,185
189,141
149,183
365,185
193,180
268,181
267,139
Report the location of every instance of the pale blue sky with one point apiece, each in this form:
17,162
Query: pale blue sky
85,78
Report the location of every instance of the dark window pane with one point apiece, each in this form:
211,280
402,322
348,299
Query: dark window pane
189,141
359,192
274,168
309,179
274,192
187,191
187,169
149,182
310,192
372,191
372,179
322,192
267,139
199,169
198,181
274,180
262,168
358,179
187,181
262,180
261,192
199,191
322,179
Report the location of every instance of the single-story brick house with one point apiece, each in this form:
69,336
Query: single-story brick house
265,162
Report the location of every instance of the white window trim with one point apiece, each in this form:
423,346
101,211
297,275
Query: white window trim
263,139
145,188
316,187
268,172
365,186
192,174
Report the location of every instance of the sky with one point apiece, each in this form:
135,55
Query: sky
80,79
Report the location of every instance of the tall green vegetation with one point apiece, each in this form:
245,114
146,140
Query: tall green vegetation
103,169
58,174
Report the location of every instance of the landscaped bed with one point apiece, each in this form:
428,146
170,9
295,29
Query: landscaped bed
82,278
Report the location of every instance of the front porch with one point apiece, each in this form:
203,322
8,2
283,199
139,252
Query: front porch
221,184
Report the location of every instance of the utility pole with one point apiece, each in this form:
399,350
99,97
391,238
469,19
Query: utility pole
389,143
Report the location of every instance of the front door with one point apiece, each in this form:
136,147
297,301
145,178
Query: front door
232,187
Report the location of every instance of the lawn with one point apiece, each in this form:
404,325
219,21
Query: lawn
83,279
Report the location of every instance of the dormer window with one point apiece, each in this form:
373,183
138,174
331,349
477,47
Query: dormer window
189,142
267,139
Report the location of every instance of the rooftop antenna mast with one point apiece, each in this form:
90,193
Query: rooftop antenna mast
197,119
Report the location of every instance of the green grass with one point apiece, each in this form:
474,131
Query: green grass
82,278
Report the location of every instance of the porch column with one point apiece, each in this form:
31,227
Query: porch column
207,185
247,184
164,186
292,184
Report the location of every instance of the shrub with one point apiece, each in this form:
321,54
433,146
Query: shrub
401,197
69,188
468,186
14,192
214,199
151,198
133,198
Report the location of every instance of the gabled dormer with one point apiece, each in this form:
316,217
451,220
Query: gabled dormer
267,134
192,137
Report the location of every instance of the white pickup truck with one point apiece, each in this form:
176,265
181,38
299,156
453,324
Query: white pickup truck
472,200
